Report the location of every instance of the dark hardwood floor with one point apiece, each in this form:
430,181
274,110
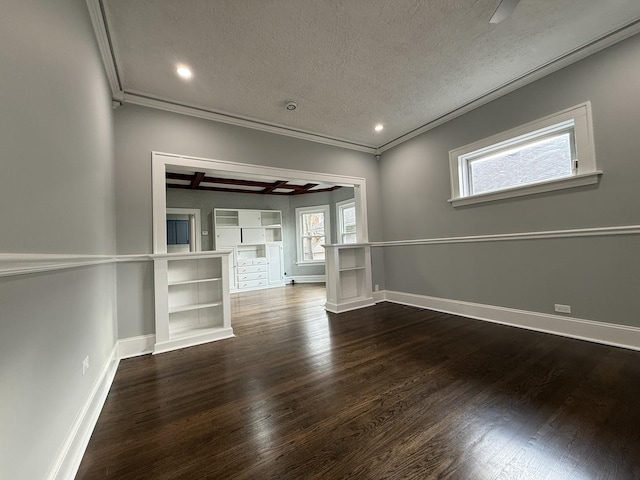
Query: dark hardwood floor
386,392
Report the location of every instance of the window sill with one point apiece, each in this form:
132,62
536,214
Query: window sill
310,264
560,184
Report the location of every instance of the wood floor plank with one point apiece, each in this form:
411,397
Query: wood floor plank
384,392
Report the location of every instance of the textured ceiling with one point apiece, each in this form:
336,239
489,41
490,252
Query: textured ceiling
349,64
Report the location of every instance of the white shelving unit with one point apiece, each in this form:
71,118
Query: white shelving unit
255,238
348,277
191,299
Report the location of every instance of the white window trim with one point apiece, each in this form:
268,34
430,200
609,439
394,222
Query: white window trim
340,206
585,174
327,232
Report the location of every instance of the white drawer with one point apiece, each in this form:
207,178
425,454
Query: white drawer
252,269
252,276
252,284
260,261
245,261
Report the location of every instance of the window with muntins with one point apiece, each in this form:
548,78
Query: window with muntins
552,153
312,227
346,211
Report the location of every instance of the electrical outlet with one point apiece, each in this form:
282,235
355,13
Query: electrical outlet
85,365
376,288
562,308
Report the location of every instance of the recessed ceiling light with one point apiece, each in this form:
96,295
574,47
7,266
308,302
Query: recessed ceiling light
379,127
184,72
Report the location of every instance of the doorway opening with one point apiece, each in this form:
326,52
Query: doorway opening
168,162
165,165
183,230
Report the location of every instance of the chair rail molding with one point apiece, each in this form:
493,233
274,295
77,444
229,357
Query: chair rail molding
501,237
25,263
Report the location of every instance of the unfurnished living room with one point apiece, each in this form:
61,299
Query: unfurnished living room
295,239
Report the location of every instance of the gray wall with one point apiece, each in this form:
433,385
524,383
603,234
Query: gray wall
57,187
55,131
139,131
598,277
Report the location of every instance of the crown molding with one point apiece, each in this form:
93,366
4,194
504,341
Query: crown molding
96,12
552,66
98,19
200,112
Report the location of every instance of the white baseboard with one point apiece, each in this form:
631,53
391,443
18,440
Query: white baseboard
208,335
68,460
348,306
136,346
306,279
598,332
379,296
262,287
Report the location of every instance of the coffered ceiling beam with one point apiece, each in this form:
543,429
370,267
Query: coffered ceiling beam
299,191
276,184
197,178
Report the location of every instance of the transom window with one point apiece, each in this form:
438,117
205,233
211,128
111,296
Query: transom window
313,231
346,214
552,153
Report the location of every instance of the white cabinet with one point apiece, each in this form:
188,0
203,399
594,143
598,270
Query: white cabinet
276,263
226,218
253,235
252,272
348,277
227,237
191,299
256,239
250,218
232,270
273,234
270,218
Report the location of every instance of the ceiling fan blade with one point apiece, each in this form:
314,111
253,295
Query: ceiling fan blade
505,9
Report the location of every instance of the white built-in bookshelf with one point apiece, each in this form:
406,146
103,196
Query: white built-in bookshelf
348,277
191,299
255,240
